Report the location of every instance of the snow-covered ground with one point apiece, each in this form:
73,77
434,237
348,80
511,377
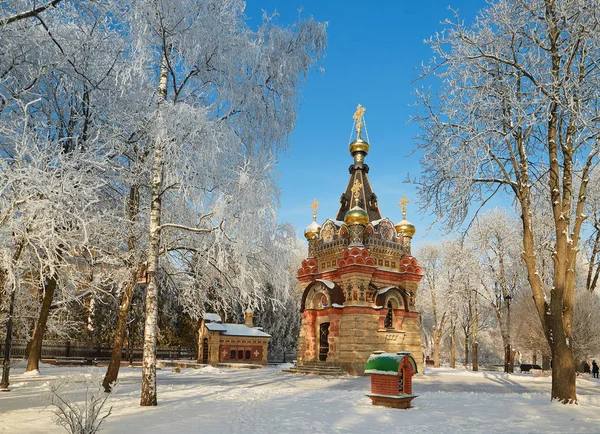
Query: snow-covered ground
211,400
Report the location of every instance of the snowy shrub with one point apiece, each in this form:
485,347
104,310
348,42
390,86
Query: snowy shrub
78,417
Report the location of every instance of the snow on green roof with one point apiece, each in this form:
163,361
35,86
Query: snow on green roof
383,363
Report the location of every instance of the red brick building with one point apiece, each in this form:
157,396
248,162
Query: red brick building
231,343
360,280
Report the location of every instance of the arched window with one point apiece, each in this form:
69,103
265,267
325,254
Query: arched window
240,354
389,318
320,300
232,355
248,356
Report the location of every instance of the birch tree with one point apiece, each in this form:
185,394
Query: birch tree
224,93
519,100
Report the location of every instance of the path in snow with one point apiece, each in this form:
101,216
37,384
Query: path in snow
213,400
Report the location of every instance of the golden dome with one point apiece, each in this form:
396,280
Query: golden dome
312,230
359,145
356,216
406,227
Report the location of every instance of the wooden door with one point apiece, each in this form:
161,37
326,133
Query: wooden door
323,341
205,351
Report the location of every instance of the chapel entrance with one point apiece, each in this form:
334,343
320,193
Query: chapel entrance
205,351
323,341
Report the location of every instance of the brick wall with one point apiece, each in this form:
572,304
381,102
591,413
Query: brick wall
384,384
254,351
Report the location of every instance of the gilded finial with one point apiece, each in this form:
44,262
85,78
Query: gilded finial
403,203
356,187
358,117
314,207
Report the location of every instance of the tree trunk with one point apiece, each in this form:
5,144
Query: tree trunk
148,397
438,333
563,380
8,342
35,350
452,343
508,358
436,353
563,362
10,321
593,269
474,343
509,361
435,334
112,372
2,284
466,350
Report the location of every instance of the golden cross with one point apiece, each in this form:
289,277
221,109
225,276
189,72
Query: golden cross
314,207
358,117
356,187
403,203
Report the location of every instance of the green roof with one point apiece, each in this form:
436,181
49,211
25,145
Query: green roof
383,363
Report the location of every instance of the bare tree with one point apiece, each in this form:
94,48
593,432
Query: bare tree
519,109
495,235
431,259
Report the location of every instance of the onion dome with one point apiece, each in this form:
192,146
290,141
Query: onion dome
312,230
359,145
356,216
405,227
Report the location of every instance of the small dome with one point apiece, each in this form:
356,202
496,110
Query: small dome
406,227
312,230
356,216
359,145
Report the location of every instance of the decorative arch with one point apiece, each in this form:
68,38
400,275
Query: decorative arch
386,230
397,296
392,299
329,231
321,290
343,233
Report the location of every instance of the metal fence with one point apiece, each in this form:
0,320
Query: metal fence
57,349
53,349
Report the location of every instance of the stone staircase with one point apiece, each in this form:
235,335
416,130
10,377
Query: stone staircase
316,369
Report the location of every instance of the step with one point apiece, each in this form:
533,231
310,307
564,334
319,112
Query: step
316,369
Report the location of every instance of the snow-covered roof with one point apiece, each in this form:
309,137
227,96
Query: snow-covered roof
328,283
215,326
243,330
384,290
383,363
212,317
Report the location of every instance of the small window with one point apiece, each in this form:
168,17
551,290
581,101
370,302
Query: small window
389,317
248,354
232,355
240,354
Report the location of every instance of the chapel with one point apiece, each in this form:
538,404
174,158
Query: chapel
224,343
359,280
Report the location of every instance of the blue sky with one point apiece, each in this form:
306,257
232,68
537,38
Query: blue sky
373,51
